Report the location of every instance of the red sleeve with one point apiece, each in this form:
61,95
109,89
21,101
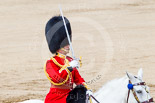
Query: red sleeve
53,72
77,77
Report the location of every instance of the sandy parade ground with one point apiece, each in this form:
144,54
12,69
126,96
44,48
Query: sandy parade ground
112,36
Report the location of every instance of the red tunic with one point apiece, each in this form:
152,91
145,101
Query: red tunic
58,94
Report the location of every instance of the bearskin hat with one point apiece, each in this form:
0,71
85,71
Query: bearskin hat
55,33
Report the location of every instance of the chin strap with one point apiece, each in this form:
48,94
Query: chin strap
64,49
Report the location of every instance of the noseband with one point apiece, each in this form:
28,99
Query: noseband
130,87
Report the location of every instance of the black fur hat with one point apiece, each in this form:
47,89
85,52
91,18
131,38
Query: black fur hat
55,33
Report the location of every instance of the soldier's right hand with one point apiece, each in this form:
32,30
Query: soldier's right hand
74,63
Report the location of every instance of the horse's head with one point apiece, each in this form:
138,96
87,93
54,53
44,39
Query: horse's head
139,89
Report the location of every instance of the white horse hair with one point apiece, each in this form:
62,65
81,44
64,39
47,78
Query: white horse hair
116,91
113,91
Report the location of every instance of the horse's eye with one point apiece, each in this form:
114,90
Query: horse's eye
139,91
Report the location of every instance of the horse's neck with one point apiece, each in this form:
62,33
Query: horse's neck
115,92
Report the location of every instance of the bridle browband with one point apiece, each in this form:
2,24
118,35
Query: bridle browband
130,87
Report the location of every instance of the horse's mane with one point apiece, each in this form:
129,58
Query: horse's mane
113,90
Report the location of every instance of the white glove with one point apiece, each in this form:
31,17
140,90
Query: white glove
89,93
74,63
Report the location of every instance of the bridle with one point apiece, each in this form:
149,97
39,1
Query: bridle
130,87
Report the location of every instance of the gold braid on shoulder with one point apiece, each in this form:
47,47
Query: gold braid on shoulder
63,67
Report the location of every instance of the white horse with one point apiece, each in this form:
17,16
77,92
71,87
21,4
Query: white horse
116,91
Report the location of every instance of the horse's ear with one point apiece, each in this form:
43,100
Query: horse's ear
140,73
130,76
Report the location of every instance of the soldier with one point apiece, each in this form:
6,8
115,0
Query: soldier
62,70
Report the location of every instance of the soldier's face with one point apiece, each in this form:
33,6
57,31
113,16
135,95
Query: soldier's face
66,49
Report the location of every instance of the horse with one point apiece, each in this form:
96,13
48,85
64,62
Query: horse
118,90
128,89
